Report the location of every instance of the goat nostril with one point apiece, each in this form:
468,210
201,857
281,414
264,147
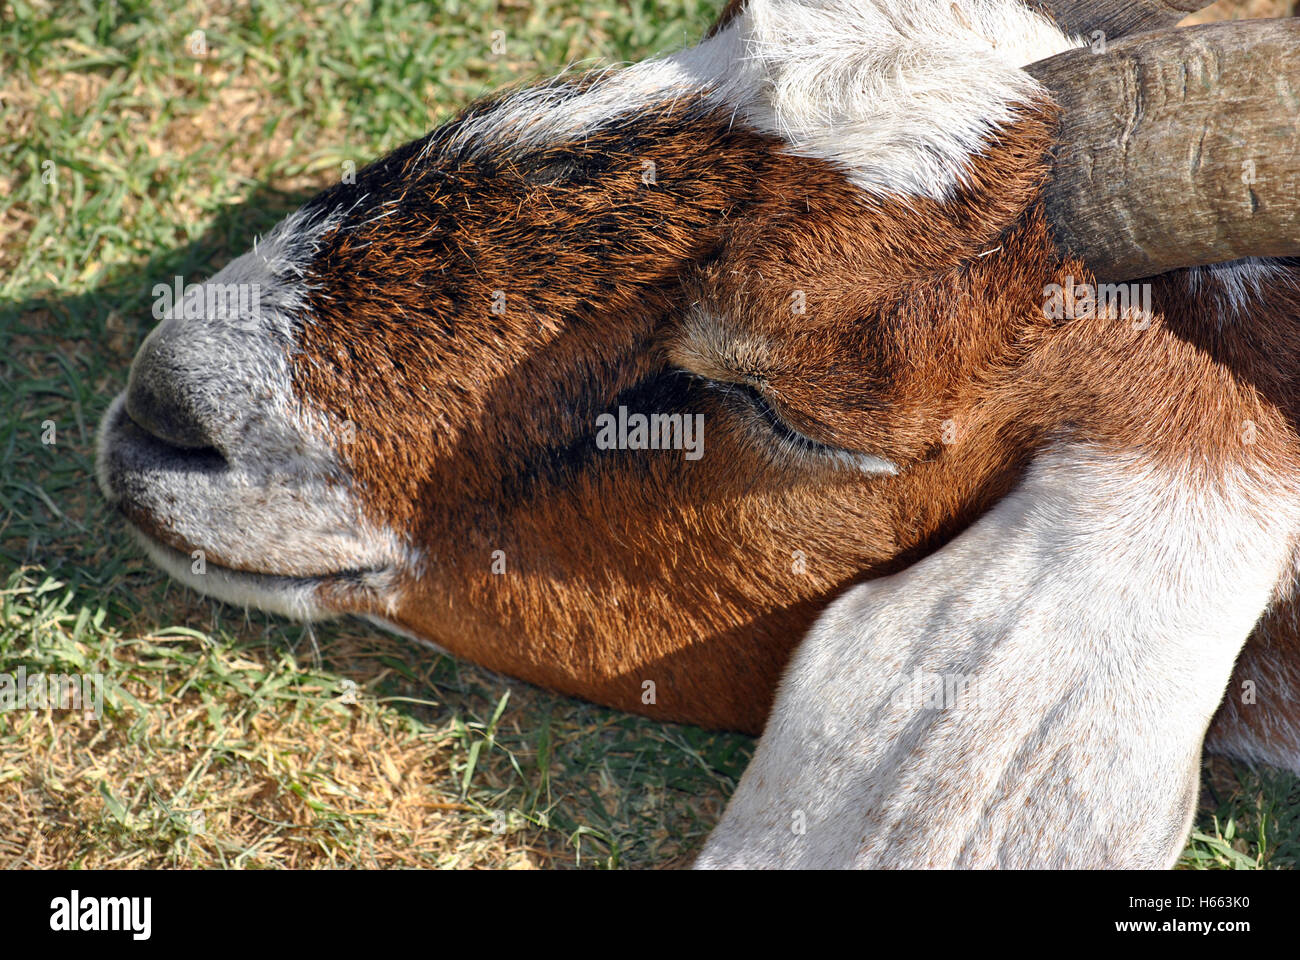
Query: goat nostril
154,401
163,417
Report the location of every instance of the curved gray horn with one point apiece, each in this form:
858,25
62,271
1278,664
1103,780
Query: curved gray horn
1117,18
1178,148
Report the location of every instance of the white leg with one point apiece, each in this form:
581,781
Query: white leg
1081,634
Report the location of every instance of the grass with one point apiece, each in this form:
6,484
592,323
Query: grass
136,149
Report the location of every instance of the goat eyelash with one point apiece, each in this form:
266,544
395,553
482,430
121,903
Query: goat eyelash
788,444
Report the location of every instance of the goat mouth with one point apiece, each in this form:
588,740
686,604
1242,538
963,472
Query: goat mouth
314,597
294,597
247,533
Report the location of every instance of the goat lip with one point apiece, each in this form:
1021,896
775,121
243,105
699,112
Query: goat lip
315,596
156,538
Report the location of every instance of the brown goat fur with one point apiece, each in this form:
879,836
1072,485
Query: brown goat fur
922,340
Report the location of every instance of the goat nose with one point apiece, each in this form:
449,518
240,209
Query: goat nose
155,396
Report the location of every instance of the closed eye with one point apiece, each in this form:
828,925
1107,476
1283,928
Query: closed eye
787,443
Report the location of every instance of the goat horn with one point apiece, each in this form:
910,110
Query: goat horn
1118,17
1177,148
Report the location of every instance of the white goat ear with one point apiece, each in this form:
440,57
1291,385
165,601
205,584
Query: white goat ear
1015,698
898,93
